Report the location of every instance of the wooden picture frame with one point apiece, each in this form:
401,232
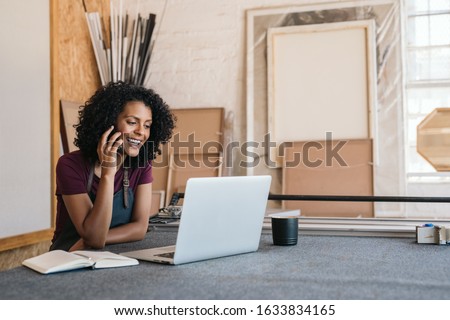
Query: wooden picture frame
204,125
185,166
69,112
158,200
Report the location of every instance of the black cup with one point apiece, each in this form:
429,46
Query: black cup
284,231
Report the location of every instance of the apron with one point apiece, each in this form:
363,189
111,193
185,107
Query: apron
121,214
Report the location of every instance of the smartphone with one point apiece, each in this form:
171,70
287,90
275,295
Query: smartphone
120,149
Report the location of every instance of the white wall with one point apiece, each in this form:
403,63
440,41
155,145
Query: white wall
25,192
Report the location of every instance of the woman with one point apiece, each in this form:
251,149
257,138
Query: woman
104,189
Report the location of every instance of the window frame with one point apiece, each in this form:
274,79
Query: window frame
421,175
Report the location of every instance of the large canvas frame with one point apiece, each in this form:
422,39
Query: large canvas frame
389,177
320,73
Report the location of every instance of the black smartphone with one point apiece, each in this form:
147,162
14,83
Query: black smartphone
120,149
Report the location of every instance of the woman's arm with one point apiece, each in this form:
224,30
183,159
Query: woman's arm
92,221
133,231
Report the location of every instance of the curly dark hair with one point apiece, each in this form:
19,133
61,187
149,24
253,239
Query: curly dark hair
100,112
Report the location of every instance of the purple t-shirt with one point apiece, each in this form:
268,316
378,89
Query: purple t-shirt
72,175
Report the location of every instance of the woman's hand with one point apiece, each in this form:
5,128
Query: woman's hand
107,151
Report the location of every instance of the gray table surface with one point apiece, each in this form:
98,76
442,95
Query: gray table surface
318,267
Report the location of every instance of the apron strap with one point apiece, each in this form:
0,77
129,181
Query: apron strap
90,178
126,184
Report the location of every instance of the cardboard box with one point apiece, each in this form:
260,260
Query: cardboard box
429,233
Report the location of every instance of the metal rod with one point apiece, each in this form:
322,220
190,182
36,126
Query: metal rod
357,198
292,197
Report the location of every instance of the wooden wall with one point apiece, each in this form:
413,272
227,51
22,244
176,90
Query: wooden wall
78,75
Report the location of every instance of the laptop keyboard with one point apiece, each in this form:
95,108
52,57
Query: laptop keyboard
166,255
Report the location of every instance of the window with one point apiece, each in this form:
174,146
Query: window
427,75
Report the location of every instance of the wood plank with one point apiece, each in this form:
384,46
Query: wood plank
78,73
202,126
54,102
25,239
312,175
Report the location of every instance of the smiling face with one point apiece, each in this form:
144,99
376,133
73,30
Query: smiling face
134,122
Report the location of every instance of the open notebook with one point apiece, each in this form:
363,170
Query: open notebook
59,260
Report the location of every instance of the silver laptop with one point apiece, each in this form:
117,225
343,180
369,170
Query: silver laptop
221,216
